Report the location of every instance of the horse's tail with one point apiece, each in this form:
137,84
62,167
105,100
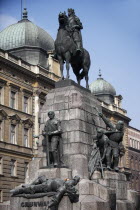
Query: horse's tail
86,64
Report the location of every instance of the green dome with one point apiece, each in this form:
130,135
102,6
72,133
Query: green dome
25,33
103,90
27,41
101,86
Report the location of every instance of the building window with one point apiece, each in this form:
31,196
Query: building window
1,131
1,196
131,143
1,95
13,100
13,167
26,104
41,106
26,170
131,162
135,144
13,134
26,137
1,165
138,145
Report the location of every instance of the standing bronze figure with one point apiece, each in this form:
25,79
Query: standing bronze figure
69,46
52,132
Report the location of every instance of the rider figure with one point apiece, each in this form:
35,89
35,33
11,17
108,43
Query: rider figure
75,26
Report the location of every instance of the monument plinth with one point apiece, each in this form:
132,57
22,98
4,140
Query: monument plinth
75,107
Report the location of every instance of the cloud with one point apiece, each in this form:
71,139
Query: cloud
6,20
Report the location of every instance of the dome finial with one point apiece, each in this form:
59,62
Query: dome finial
100,74
25,14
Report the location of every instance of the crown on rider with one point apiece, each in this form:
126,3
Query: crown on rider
71,10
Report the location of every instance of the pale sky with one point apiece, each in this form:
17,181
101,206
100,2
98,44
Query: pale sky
111,34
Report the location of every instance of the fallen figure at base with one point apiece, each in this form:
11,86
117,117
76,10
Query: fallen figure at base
56,188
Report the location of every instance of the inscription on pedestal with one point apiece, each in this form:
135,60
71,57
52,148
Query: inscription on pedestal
34,204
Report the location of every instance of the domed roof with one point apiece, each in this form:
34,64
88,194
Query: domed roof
102,87
25,33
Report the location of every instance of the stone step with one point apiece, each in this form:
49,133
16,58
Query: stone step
113,180
119,186
125,205
88,187
134,196
90,202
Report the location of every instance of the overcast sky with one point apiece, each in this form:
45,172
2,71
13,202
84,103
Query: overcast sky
111,34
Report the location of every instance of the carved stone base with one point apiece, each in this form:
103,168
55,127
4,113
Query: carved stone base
17,203
75,107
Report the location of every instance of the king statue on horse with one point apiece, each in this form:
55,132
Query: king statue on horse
69,46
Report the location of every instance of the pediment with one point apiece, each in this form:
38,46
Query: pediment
27,123
15,119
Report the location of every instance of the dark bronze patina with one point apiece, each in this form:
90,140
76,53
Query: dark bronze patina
56,188
107,147
115,148
69,46
52,133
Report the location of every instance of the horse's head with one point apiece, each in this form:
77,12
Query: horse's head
62,18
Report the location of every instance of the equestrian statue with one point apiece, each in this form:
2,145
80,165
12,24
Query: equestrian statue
69,47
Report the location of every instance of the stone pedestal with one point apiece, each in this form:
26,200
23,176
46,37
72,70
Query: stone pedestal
75,107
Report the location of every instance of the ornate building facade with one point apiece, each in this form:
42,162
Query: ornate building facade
27,73
134,157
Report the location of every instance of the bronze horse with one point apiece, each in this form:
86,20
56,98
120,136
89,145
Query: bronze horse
65,50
